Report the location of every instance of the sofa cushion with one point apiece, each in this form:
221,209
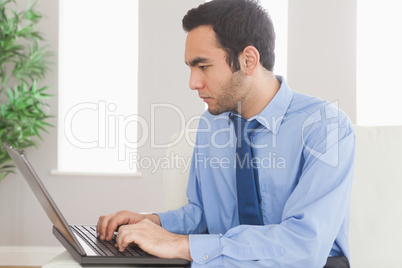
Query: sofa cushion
376,206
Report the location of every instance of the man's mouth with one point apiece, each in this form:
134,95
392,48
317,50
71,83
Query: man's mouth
205,98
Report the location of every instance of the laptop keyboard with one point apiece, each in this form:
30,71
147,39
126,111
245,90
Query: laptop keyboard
106,248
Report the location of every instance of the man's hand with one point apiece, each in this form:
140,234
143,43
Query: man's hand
153,239
144,230
107,225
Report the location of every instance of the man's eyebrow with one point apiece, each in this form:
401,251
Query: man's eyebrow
196,61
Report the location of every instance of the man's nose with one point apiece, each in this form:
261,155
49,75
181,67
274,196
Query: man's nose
195,81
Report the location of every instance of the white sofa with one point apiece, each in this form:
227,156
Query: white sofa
376,209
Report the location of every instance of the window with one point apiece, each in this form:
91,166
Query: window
98,46
379,55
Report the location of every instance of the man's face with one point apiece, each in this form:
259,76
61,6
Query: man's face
211,75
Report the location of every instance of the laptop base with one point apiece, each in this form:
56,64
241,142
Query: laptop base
108,260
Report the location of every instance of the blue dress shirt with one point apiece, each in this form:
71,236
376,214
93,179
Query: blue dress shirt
304,152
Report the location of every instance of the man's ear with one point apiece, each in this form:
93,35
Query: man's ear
249,60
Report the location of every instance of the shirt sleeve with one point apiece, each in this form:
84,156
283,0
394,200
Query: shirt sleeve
190,218
311,220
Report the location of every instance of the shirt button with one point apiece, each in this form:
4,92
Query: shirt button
206,257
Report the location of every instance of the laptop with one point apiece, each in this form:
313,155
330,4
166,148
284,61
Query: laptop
80,240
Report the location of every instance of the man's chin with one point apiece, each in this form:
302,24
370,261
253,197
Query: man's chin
216,111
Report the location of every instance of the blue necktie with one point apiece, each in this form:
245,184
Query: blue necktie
248,194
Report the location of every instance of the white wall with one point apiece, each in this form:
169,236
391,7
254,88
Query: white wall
322,50
321,62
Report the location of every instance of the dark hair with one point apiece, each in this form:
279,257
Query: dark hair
237,24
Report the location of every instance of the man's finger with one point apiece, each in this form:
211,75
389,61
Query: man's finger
111,228
125,237
102,226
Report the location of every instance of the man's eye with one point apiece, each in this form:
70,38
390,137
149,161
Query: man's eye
203,67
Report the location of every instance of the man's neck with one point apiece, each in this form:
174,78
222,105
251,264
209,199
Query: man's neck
262,91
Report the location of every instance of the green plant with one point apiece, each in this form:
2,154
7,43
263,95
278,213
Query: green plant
23,62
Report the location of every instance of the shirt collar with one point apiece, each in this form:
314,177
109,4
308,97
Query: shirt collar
273,114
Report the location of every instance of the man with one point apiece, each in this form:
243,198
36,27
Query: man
301,151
